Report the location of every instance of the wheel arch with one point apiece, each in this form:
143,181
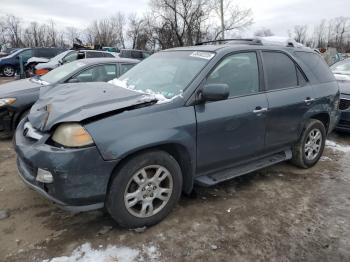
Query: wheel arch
177,151
324,118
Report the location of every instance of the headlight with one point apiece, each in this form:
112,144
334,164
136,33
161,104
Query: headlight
7,101
72,135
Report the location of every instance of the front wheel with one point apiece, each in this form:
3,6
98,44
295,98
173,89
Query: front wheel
145,189
310,146
8,71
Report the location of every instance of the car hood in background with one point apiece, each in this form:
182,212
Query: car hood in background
48,65
15,88
38,60
80,101
344,87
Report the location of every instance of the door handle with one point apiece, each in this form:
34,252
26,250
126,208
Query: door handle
260,110
309,100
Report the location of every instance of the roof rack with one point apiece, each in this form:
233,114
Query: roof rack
250,41
269,40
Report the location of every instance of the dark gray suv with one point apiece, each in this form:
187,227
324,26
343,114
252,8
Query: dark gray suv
184,116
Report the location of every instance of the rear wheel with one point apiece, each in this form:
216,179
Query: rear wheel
145,189
310,146
8,71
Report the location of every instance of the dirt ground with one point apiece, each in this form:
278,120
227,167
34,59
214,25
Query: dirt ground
281,213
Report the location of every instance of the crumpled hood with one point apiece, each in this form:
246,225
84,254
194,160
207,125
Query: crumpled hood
76,102
14,87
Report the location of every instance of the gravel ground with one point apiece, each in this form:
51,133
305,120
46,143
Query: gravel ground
281,213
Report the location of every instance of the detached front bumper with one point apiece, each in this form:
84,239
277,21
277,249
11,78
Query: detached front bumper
80,176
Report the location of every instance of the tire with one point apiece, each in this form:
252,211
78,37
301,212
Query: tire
8,71
307,151
129,180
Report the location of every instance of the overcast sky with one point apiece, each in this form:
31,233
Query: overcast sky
278,15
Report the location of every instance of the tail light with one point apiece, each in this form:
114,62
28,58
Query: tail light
41,72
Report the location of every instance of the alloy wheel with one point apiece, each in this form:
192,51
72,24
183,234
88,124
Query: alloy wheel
8,71
148,191
313,144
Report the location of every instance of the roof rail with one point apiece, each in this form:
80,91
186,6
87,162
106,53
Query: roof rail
251,41
269,40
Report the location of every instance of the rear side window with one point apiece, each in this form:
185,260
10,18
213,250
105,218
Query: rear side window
280,71
316,65
95,54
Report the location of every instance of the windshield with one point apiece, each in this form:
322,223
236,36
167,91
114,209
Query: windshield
61,72
165,73
60,56
342,68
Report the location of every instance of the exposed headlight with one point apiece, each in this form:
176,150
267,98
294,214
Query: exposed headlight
7,101
72,135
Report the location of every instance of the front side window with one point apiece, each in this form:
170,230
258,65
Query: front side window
240,72
26,54
70,57
280,71
62,72
125,67
166,73
101,73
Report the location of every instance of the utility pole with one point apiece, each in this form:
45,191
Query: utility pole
222,19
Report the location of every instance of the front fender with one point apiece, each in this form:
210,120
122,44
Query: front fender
120,135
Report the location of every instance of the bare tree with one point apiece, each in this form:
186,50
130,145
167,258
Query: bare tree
300,33
72,33
264,32
184,19
233,17
13,30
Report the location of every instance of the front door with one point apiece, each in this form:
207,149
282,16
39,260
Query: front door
232,130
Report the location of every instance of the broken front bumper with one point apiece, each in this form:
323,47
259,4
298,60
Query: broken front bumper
6,120
80,176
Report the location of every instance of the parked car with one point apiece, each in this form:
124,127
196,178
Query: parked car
184,116
134,54
341,71
11,63
111,49
17,97
67,57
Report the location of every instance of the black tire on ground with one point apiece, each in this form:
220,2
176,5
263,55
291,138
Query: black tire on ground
299,156
122,180
8,71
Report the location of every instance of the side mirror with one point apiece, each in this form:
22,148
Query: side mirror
73,80
214,92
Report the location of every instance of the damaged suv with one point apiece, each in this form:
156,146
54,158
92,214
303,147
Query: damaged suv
184,116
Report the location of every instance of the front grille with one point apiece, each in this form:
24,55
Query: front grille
344,104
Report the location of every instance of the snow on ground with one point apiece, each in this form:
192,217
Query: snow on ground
338,147
85,253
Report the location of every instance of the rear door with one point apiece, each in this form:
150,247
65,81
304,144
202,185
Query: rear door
289,96
232,130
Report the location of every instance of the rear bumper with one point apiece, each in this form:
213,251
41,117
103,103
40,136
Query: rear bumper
80,176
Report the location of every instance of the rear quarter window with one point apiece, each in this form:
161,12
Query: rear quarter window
316,65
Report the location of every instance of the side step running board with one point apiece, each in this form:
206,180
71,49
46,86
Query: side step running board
215,178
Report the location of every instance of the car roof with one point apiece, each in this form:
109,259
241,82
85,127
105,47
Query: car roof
91,61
